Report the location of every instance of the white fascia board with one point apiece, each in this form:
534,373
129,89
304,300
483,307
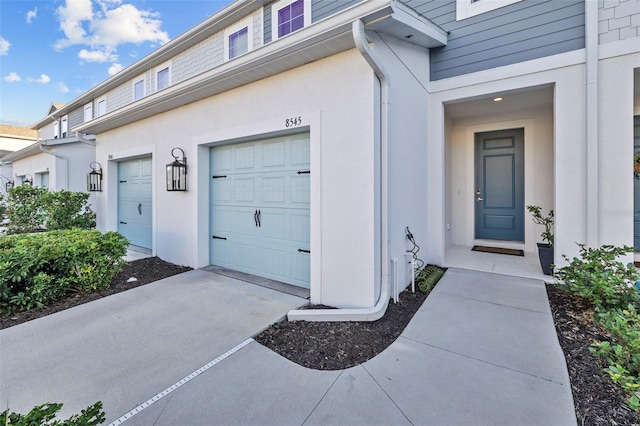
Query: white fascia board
32,149
423,32
315,38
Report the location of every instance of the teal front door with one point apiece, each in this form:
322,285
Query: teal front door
260,205
636,182
134,201
499,191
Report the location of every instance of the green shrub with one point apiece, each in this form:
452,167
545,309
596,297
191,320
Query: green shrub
623,352
25,209
68,210
36,269
45,414
601,280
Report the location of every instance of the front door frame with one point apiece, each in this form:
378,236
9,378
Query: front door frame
529,174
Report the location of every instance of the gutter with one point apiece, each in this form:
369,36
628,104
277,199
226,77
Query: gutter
63,158
377,311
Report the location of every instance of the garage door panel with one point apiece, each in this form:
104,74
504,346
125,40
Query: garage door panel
263,176
273,189
273,225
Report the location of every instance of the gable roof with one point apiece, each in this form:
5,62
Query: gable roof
17,132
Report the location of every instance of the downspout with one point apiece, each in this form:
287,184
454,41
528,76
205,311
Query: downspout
64,159
593,199
377,311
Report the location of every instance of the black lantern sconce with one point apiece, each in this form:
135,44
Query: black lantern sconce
177,173
27,180
9,185
94,178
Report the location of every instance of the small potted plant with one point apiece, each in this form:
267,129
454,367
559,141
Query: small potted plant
545,250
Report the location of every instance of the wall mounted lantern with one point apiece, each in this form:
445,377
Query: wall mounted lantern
177,172
9,185
27,180
94,178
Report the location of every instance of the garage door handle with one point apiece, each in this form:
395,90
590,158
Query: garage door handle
215,237
304,251
255,218
259,225
140,209
304,172
124,223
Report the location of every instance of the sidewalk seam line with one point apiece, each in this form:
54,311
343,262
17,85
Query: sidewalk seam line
485,362
323,397
491,303
385,392
179,383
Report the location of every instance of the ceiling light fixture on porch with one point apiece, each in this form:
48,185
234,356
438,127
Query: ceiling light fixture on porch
177,172
498,99
27,180
94,177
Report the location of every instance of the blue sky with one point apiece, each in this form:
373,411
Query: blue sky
53,51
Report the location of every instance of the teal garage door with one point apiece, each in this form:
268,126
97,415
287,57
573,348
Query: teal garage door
134,201
260,194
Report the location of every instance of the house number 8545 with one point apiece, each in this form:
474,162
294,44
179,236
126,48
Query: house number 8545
293,121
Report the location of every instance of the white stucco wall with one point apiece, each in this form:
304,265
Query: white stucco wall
337,109
39,163
408,68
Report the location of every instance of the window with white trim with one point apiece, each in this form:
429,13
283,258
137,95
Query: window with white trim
65,126
138,88
468,8
288,16
56,129
101,106
163,76
238,39
88,112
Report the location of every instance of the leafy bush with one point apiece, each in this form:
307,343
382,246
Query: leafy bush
36,269
546,221
68,210
600,279
623,352
25,209
32,209
3,207
608,285
45,413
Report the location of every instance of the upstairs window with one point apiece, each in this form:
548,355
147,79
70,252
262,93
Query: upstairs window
88,112
56,129
289,16
65,127
102,107
238,39
163,77
238,43
138,89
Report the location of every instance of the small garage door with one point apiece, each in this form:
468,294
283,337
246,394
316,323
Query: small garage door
134,201
260,208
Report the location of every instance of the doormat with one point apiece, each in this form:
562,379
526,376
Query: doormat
498,250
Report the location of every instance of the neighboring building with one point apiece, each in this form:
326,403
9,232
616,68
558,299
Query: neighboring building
318,131
54,157
12,138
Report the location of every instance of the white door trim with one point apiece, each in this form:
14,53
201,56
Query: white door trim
529,181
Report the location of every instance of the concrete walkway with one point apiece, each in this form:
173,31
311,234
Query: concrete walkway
482,350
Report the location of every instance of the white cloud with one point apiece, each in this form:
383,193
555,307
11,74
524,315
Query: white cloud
12,77
43,79
115,68
31,15
72,16
97,55
110,25
4,46
63,88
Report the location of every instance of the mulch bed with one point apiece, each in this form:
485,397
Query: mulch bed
340,345
598,401
144,270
